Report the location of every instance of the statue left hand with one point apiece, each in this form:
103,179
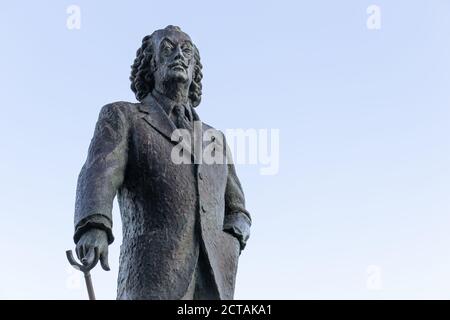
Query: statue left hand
241,235
91,239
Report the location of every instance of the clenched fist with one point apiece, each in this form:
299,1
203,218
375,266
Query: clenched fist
91,239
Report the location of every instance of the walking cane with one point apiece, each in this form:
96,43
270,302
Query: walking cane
85,269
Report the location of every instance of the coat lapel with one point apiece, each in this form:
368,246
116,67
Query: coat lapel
155,116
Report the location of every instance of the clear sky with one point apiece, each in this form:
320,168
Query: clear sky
360,205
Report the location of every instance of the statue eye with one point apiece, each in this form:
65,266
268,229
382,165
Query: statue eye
187,50
167,48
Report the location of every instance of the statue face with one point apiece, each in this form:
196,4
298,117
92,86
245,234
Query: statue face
174,57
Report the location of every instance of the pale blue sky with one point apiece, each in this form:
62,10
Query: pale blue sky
364,135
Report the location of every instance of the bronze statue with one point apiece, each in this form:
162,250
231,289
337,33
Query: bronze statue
184,224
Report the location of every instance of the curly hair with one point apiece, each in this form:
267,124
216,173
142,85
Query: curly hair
142,80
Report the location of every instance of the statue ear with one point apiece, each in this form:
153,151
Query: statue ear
152,69
149,77
152,64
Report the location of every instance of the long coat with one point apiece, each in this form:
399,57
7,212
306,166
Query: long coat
168,210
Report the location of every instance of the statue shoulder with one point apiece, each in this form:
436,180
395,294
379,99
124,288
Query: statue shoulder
118,114
118,108
207,127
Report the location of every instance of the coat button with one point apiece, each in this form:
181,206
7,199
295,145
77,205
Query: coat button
200,176
203,208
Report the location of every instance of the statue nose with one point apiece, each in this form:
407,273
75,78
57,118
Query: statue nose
178,53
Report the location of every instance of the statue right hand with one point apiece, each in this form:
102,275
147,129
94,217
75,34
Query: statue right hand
91,239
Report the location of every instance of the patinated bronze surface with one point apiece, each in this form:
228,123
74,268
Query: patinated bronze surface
184,224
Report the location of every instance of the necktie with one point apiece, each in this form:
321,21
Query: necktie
182,120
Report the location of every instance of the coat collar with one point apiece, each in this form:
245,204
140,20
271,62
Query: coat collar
168,104
155,116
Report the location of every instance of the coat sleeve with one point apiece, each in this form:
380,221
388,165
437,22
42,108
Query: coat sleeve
103,172
237,218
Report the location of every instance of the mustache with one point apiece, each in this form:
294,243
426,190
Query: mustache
178,63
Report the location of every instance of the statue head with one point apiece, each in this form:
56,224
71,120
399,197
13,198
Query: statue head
167,56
